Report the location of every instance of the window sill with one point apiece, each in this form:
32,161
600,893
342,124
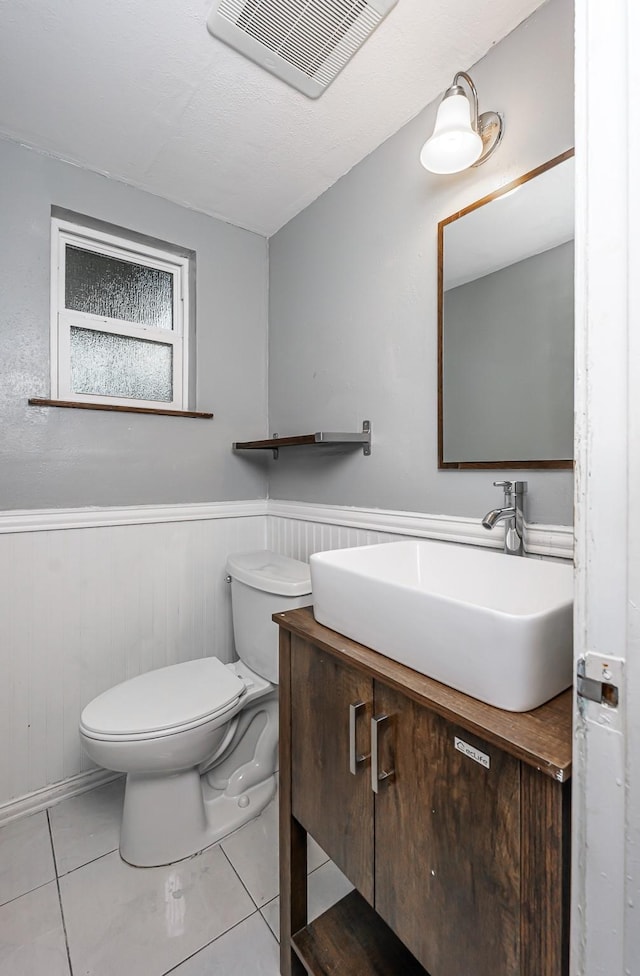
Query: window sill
39,402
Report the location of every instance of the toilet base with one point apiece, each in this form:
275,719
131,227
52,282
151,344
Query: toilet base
228,813
183,822
170,816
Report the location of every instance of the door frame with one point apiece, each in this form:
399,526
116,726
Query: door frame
606,793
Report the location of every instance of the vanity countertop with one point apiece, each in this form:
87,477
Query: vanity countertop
541,738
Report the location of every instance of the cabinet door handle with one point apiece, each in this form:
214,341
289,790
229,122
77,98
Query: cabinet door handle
378,777
354,759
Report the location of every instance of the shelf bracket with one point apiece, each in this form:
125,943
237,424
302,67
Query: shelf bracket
366,429
340,437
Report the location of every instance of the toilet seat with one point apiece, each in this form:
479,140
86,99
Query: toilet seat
164,702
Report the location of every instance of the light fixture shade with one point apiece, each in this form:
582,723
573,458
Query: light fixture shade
454,145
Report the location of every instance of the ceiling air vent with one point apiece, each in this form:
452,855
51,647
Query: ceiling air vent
304,42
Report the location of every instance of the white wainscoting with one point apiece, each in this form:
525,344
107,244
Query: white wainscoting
84,608
299,529
91,597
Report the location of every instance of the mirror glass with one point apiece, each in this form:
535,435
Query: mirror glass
505,325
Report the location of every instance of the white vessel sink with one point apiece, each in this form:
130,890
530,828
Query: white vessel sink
496,627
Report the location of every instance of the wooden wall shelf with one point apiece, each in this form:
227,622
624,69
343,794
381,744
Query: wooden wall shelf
327,438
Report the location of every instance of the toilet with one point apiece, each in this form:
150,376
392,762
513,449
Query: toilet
198,740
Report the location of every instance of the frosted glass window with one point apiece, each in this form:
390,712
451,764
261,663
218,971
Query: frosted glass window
120,319
106,364
117,289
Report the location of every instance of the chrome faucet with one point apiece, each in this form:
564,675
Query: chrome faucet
512,514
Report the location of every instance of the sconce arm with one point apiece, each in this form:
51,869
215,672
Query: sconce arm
474,95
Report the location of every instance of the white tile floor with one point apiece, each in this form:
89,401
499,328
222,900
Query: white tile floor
69,906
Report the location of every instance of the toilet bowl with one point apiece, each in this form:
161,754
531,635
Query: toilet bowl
198,740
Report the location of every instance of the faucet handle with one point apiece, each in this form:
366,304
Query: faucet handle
507,485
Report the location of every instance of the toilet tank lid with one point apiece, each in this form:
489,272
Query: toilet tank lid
268,571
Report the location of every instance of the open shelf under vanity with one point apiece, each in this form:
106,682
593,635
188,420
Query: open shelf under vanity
351,930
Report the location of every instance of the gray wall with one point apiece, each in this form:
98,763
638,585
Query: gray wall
507,387
353,296
67,458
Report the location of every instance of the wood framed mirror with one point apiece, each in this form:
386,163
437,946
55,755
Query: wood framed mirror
506,324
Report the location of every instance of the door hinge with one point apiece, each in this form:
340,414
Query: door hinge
602,692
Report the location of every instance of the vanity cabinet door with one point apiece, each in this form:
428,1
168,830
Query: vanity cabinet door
447,843
333,803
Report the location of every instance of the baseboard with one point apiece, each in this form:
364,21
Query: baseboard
50,795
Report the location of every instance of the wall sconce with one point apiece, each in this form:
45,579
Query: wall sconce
461,138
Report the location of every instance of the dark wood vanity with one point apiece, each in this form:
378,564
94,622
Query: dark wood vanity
460,859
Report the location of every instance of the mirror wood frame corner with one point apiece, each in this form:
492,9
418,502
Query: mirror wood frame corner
565,463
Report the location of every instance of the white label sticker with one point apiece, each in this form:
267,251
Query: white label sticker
472,753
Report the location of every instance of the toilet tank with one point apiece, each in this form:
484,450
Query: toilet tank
264,583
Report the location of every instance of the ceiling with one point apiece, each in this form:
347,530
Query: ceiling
139,90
